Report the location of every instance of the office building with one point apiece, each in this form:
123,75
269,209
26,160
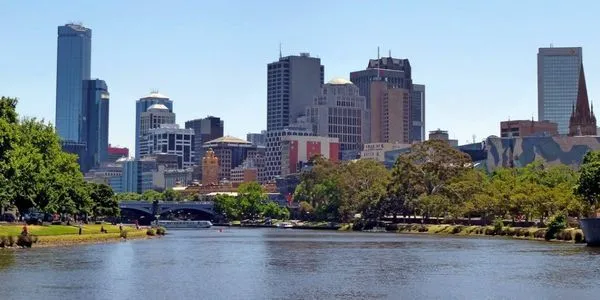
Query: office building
142,106
442,135
390,113
136,176
115,152
521,128
156,116
558,71
340,112
170,139
417,112
273,150
231,152
582,121
292,82
73,65
298,150
258,139
376,151
206,129
95,125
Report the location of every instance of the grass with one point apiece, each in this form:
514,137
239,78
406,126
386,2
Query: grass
58,235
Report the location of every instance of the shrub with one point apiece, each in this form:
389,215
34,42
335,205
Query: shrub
423,228
498,225
539,234
579,237
161,231
150,232
24,241
457,229
123,234
489,231
557,223
3,241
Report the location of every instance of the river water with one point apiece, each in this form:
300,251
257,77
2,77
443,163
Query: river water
298,264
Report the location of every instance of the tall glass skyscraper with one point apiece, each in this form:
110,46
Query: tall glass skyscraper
558,76
95,110
73,67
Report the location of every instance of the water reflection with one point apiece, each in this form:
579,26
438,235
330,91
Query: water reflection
292,264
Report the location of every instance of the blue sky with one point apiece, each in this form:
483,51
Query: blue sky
477,58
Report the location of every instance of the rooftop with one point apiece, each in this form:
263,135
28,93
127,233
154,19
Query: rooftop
229,140
339,81
155,95
157,107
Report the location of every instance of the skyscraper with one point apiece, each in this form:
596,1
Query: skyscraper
141,106
206,129
558,72
395,72
258,139
73,66
95,122
292,82
340,112
417,112
390,117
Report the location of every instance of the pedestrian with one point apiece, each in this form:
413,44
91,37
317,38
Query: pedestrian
80,229
102,229
120,227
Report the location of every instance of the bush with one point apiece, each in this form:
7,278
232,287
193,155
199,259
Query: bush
457,229
498,225
150,232
3,241
557,223
10,241
123,234
489,231
579,237
161,231
423,228
539,234
24,241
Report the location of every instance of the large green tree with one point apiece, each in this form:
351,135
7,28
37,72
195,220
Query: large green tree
588,185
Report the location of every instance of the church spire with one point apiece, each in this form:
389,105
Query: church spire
583,121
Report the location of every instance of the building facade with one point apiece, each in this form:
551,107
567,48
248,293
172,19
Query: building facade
156,116
231,153
141,106
206,129
115,153
583,120
339,111
292,82
210,168
296,150
516,128
258,139
73,66
273,150
558,72
170,139
95,125
442,135
390,113
417,112
376,151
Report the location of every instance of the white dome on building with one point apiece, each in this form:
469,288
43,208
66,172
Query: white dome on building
339,81
155,95
157,107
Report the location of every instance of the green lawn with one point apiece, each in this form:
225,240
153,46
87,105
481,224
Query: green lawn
6,230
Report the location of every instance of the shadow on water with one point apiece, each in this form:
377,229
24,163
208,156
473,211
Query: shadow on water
7,259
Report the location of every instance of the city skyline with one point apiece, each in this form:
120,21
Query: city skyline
470,74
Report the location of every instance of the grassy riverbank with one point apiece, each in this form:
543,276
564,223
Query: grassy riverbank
532,233
63,235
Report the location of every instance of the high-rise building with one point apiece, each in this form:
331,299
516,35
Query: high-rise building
206,129
141,106
231,153
170,139
521,128
292,82
558,71
417,112
95,109
340,112
258,139
390,113
154,117
582,121
73,65
300,149
442,135
273,155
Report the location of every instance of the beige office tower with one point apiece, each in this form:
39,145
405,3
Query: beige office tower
390,114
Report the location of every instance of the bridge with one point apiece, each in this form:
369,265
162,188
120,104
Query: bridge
149,210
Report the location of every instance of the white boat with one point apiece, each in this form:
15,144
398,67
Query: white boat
284,225
184,224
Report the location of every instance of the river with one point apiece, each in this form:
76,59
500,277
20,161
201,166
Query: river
298,264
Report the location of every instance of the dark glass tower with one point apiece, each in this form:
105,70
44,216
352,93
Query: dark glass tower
206,129
73,67
95,110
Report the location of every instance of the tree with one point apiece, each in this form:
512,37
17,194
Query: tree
104,202
252,198
404,188
362,185
228,206
127,197
152,195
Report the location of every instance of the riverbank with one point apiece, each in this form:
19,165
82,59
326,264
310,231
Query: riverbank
63,235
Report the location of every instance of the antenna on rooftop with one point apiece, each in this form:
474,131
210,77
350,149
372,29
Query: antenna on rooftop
551,45
378,52
279,49
390,52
